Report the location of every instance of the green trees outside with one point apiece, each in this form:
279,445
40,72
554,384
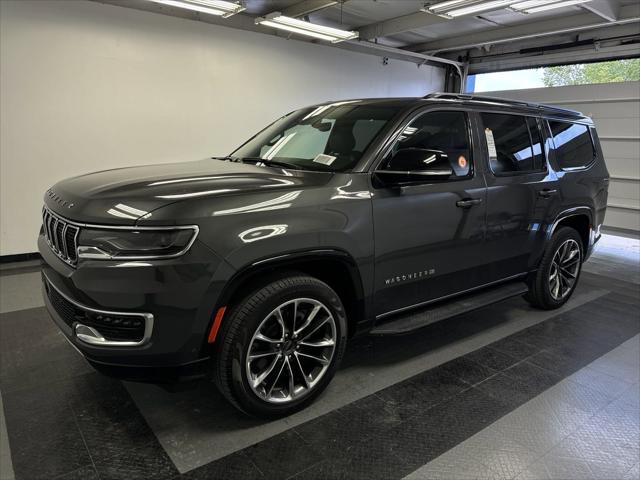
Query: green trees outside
602,72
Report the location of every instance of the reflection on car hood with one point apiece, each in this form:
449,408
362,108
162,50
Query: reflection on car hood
124,195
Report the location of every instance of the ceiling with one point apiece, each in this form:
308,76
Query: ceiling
498,40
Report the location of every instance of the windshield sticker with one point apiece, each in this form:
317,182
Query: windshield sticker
462,162
324,159
491,143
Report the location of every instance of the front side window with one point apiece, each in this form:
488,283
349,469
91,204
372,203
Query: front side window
436,142
510,145
573,145
330,137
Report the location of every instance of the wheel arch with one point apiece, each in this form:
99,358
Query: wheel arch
578,218
335,267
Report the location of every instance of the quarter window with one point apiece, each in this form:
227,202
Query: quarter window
512,147
434,141
573,145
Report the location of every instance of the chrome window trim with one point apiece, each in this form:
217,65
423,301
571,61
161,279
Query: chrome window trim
101,255
148,322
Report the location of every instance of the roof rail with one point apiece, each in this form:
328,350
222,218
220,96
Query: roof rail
501,101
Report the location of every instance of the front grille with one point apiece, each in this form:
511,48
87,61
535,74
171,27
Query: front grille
112,326
61,236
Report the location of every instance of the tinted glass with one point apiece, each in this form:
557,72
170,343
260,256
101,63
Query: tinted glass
509,144
329,137
574,148
446,134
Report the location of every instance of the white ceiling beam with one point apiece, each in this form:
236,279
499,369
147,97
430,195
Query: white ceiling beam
603,8
540,28
305,7
242,21
401,24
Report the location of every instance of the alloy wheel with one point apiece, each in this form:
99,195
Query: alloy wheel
564,269
291,350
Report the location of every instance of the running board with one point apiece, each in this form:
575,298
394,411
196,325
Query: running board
449,308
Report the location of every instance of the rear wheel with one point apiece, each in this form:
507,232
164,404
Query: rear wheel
280,346
559,270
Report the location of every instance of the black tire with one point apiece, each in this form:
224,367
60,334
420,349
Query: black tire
239,327
540,294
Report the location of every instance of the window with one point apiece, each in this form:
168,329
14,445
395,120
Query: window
443,140
509,144
624,70
331,137
574,148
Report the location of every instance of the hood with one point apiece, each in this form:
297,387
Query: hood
124,195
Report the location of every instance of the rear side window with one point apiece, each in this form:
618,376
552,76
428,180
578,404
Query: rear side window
512,147
573,144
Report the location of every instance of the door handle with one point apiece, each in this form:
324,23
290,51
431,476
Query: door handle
547,192
468,202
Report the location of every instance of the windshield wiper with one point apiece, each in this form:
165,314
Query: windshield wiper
228,158
270,163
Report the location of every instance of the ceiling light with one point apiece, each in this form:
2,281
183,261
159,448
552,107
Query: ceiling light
476,8
544,8
279,21
523,5
212,7
444,6
459,8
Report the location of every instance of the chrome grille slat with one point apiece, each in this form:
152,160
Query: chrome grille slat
54,237
61,236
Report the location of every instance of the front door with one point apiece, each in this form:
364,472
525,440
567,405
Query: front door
429,234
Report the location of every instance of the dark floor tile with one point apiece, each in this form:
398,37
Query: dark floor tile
364,460
431,433
283,455
111,426
328,433
421,392
557,362
509,389
234,466
88,472
338,431
144,463
491,358
52,455
514,348
369,416
468,371
538,379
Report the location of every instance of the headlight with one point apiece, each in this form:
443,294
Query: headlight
135,244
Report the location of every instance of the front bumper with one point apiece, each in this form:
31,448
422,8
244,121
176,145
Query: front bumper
170,300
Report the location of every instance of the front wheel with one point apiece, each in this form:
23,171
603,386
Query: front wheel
281,346
559,270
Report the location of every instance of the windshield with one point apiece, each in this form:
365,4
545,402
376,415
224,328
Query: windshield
330,137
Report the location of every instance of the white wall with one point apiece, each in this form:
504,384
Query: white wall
615,109
86,86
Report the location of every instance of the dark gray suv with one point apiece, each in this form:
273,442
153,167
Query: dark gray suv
379,215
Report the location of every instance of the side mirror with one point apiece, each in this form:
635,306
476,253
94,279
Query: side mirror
414,165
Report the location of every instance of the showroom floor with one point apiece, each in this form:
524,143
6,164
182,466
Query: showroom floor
504,392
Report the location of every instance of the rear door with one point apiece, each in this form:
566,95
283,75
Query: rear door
429,237
521,191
